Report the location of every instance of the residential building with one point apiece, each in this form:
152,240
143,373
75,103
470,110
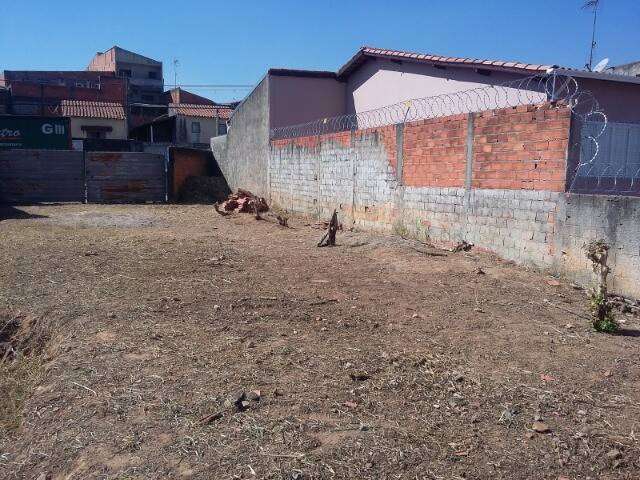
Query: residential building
632,69
40,92
197,124
96,120
375,78
189,120
178,95
144,75
145,84
198,118
4,101
185,124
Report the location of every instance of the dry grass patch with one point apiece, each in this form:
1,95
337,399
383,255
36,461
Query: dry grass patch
22,342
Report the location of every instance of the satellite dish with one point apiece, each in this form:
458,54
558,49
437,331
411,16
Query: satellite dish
602,64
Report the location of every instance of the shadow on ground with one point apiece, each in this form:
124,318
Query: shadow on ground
627,332
7,212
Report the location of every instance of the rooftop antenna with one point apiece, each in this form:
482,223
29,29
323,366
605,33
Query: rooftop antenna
602,64
592,5
175,72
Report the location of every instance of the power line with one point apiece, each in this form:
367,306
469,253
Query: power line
209,85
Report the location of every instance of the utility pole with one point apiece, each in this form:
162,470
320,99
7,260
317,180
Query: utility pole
592,4
175,72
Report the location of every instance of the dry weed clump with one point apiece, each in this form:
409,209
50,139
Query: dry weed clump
601,307
22,342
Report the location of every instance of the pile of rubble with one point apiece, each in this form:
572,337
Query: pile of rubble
243,202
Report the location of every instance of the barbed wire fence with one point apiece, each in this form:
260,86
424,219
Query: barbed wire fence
588,171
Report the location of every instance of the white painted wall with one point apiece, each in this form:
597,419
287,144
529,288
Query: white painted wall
379,83
118,127
208,128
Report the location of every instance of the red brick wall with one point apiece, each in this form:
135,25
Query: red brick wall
434,152
521,148
518,148
111,90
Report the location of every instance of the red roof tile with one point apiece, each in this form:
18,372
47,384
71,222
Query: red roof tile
364,52
204,111
80,108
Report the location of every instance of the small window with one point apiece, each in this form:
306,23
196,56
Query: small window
125,72
153,75
195,127
222,129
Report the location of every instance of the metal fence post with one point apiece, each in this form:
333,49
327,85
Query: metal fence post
84,177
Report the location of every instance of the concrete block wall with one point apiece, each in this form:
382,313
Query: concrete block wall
508,199
582,218
243,154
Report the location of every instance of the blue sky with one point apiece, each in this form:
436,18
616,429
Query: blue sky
235,42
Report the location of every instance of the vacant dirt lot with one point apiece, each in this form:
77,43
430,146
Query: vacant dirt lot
374,359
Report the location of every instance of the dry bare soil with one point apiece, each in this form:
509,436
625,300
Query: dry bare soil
139,331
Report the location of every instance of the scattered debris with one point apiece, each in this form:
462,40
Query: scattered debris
207,419
462,246
508,415
235,399
359,376
243,202
614,454
553,283
428,253
324,302
253,396
283,220
480,271
240,400
221,212
540,427
329,238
